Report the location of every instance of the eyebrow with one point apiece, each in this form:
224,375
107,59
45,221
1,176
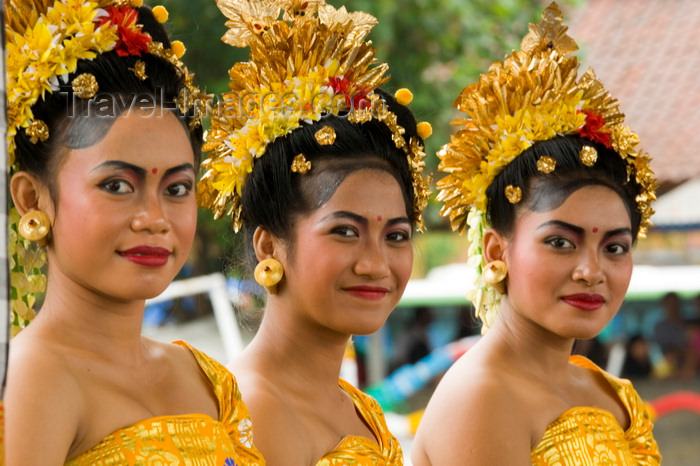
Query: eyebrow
580,231
141,172
362,220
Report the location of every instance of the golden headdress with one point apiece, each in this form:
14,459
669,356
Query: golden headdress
45,39
534,95
307,60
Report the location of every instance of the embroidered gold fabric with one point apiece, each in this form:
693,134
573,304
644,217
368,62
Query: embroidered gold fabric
584,436
362,451
192,439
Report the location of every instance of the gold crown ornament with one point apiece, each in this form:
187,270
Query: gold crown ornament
534,95
307,60
44,41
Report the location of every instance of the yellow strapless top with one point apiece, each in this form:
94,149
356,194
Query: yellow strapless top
384,449
584,436
191,439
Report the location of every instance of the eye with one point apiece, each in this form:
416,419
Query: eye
117,186
398,236
181,189
558,242
617,249
345,231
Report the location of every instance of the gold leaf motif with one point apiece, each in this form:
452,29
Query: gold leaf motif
513,193
85,85
300,164
139,70
588,156
37,131
325,136
546,164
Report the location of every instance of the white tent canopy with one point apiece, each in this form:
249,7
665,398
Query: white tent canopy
679,208
448,285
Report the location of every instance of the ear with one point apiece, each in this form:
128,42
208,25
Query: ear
494,246
28,193
265,244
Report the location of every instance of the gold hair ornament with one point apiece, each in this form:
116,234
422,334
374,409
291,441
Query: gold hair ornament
534,95
307,60
325,136
45,39
300,164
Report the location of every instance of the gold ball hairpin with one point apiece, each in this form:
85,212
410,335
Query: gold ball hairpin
34,225
588,156
494,274
403,96
424,130
268,273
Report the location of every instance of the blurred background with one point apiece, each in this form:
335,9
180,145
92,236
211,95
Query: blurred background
644,51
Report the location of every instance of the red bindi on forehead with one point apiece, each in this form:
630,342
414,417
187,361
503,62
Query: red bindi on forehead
379,218
595,229
154,170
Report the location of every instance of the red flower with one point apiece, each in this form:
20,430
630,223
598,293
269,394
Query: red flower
356,98
592,129
131,40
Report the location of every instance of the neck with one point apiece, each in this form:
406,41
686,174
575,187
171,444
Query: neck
84,318
529,346
286,344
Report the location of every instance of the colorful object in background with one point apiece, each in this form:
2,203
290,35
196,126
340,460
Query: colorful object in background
676,401
409,379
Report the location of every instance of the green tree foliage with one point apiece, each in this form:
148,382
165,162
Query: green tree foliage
433,47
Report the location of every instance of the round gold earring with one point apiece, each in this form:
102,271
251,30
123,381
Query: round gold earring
268,273
494,274
34,225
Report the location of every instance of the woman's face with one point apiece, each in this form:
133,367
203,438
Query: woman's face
353,256
126,211
569,268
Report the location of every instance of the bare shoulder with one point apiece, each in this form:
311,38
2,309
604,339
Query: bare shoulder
42,402
277,433
474,413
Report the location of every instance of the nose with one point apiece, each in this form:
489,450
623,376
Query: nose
150,217
588,270
372,261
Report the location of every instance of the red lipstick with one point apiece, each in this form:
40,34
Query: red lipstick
373,293
149,256
584,301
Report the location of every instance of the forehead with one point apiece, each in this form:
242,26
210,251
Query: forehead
591,206
367,192
139,138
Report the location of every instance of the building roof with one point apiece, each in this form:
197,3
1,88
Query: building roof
646,54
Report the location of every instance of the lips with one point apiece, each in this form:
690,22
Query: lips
148,256
373,293
584,301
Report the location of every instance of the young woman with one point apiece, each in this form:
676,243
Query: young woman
557,195
329,201
105,170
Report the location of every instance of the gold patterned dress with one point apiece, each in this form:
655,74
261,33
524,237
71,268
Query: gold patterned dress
363,451
585,436
191,439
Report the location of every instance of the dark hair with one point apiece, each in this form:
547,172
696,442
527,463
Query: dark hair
543,192
69,119
274,197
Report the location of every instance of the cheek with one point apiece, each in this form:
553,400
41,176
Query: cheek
403,266
186,223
